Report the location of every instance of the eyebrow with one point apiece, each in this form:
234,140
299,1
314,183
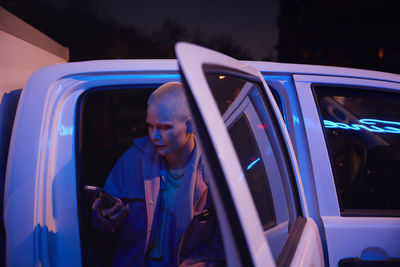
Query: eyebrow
161,124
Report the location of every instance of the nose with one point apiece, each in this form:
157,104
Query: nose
155,134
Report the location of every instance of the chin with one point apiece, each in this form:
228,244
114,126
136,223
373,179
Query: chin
162,152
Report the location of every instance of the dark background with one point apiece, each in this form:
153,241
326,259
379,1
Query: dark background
352,33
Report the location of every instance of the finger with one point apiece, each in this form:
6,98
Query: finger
113,210
97,203
121,213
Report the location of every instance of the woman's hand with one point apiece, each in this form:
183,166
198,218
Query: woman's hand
115,213
107,216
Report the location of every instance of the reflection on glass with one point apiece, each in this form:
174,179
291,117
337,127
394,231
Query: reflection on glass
225,89
249,156
361,128
372,125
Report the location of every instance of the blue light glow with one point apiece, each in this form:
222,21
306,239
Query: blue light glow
296,119
63,130
371,125
128,76
252,164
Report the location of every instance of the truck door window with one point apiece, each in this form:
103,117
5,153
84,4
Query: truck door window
253,166
362,132
255,137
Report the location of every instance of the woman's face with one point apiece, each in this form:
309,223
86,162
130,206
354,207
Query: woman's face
168,134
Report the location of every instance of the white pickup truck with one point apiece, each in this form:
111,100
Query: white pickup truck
23,50
304,160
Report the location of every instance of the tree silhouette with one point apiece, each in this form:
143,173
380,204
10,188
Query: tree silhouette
77,25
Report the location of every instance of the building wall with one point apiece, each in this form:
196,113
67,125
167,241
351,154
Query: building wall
19,59
23,50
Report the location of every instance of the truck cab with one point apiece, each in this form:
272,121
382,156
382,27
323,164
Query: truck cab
303,160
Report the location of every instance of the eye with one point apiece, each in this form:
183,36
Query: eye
164,127
149,126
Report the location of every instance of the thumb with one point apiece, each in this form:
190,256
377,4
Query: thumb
96,203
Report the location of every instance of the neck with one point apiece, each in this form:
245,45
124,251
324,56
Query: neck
180,158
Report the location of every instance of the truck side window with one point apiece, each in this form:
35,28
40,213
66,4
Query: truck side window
252,164
362,133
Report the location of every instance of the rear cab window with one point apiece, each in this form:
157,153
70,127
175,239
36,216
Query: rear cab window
362,133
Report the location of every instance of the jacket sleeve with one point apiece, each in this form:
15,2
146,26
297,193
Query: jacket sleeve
123,173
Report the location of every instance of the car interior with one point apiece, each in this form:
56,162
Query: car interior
109,118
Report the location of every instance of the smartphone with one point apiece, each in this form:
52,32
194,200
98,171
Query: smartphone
99,192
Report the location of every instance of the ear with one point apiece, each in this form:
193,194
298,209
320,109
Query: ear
189,128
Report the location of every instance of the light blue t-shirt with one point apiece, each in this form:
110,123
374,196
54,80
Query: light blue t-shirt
172,180
168,190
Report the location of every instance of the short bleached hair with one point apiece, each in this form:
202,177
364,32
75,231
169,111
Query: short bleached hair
172,96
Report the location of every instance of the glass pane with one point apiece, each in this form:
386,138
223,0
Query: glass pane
225,89
253,167
362,129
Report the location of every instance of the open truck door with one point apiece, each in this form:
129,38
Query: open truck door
255,180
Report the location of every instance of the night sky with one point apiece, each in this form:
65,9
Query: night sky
251,23
248,27
358,33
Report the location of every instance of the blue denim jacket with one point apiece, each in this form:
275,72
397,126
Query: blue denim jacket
135,178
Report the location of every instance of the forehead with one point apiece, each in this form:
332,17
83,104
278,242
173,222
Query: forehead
161,113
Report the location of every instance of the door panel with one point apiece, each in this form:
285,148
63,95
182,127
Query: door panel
218,88
353,124
309,247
